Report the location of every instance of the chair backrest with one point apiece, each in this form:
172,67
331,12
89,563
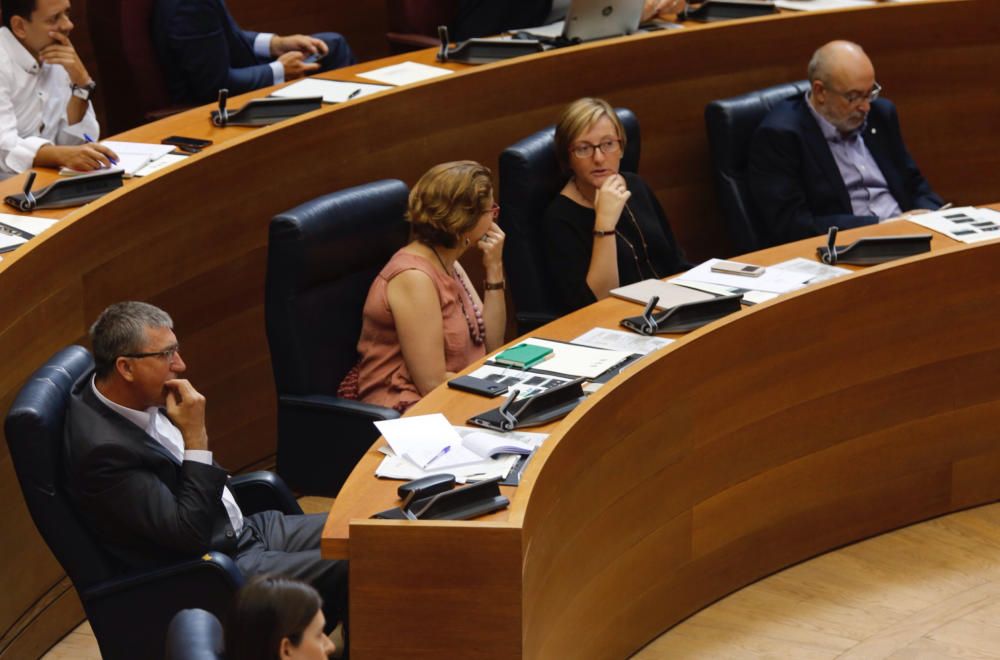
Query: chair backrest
730,124
530,178
194,634
127,61
322,257
413,23
34,430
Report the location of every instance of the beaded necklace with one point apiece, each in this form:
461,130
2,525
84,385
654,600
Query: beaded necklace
642,238
645,248
477,337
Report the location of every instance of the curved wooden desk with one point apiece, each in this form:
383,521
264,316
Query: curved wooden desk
778,433
193,239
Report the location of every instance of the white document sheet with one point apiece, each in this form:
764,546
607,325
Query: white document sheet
132,156
526,381
332,91
29,224
160,163
420,439
616,340
967,224
573,360
774,280
405,73
817,5
816,271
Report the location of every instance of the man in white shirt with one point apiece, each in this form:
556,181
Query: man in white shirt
46,119
141,474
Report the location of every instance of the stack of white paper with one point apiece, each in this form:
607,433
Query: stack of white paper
132,156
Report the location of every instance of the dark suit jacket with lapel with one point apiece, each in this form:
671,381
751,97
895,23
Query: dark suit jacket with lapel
144,506
202,50
796,185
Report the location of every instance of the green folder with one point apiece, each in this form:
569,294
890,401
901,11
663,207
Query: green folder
523,355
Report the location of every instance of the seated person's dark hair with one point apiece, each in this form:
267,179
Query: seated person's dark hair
269,609
12,8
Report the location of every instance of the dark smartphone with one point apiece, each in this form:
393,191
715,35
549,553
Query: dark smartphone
188,144
309,59
477,386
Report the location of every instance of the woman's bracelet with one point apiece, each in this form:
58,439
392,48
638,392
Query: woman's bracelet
494,286
602,234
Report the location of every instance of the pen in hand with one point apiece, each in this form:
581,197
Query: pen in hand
90,140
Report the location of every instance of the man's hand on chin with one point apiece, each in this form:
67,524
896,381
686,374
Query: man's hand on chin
186,409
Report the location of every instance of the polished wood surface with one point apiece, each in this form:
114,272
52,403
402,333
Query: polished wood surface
796,426
193,239
860,602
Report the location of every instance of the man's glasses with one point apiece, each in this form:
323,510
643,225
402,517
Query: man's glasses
586,150
857,97
167,354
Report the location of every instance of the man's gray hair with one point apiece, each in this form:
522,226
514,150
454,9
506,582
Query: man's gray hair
121,329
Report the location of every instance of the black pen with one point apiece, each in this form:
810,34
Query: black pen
353,94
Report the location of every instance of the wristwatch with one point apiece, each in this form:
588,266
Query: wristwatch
84,91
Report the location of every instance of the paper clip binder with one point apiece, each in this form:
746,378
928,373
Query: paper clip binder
550,405
264,111
61,193
873,249
683,317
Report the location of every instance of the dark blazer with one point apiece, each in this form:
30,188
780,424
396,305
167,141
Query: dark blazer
796,185
202,49
143,506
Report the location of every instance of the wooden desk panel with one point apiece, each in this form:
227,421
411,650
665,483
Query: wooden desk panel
193,239
781,432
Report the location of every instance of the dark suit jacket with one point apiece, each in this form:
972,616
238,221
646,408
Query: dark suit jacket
202,50
144,506
795,182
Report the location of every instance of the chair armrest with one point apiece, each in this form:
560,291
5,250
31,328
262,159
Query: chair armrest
155,596
319,402
262,491
321,438
212,566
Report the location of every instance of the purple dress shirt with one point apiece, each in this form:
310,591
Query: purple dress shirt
862,176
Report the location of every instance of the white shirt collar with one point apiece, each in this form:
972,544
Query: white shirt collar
18,53
144,419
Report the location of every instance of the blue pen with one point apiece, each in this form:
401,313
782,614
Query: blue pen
87,138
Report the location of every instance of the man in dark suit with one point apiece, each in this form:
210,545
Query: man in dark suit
202,50
834,157
141,473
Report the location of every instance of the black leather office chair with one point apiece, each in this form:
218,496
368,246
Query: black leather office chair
128,611
322,257
530,178
731,123
195,634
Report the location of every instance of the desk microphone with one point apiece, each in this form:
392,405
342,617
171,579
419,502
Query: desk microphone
29,202
647,315
831,246
223,117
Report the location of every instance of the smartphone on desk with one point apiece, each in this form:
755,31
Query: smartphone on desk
188,144
736,268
